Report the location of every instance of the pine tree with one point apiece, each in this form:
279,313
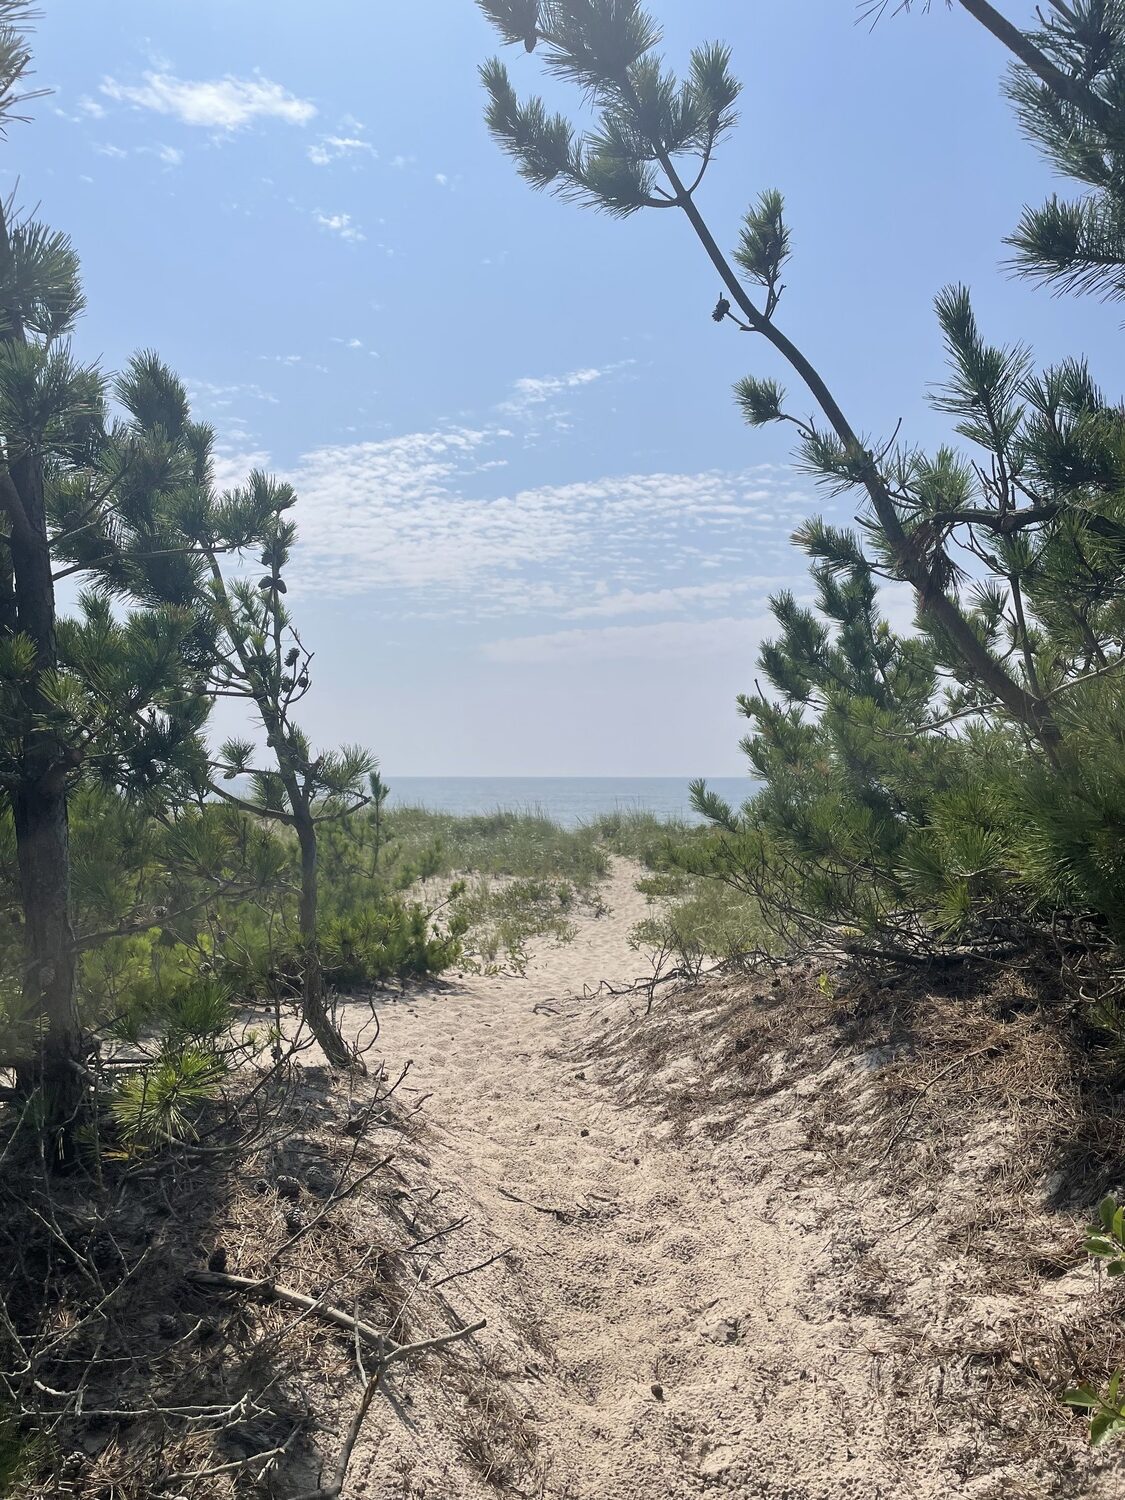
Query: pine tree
653,145
99,691
1014,555
116,695
262,662
43,392
111,696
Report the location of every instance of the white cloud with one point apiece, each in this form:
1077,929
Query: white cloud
209,396
421,513
898,605
340,224
392,510
675,600
332,148
169,155
441,179
91,107
535,390
429,524
227,103
230,466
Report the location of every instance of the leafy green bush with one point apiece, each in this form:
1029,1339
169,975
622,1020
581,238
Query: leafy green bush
1106,1410
639,835
501,918
1105,1241
523,845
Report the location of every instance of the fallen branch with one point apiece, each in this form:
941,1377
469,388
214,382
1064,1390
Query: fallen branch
423,1346
268,1458
401,1351
335,1489
564,1215
468,1271
385,1347
436,1235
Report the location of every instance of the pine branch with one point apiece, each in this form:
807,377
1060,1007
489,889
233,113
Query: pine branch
1072,90
914,567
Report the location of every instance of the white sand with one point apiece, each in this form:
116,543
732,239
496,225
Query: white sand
697,1267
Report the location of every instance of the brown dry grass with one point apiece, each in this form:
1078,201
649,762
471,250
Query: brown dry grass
977,1112
104,1339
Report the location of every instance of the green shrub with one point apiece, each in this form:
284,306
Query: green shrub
500,919
697,921
522,845
388,940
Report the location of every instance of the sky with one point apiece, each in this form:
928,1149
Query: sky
536,536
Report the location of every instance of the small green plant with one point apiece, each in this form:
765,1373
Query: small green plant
1107,1412
1105,1241
697,920
499,919
156,1106
21,1453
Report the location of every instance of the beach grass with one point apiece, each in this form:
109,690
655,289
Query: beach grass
523,874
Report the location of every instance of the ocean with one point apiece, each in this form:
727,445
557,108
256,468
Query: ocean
568,800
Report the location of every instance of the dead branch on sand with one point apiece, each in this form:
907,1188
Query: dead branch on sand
387,1350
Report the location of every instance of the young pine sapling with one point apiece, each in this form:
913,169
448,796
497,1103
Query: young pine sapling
261,661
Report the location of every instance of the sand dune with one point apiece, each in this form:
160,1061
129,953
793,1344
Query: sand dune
676,1314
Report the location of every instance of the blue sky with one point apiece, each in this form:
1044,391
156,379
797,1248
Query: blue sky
536,537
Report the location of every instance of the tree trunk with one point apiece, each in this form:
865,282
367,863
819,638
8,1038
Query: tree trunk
316,1014
42,835
39,797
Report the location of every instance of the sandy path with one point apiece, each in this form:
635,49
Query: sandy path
660,1267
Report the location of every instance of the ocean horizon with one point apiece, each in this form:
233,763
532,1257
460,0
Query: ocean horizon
568,800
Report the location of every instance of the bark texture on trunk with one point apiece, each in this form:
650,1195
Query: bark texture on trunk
42,834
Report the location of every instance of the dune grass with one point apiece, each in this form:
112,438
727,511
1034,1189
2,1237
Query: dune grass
520,844
524,875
